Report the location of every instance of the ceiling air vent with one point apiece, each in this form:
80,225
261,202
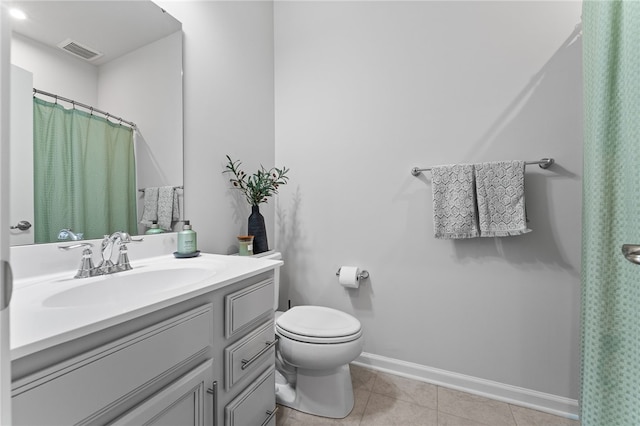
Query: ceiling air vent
79,50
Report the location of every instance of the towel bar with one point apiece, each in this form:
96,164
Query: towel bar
175,187
544,163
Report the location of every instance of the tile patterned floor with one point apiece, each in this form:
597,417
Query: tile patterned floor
385,400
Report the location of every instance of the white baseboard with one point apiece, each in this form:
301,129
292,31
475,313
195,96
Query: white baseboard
548,403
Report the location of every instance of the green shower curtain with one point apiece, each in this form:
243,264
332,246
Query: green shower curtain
84,173
610,391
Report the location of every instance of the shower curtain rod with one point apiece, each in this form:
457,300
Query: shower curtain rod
89,107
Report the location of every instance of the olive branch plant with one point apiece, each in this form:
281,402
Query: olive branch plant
258,187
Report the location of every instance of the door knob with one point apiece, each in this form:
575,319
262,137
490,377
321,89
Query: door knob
23,225
632,253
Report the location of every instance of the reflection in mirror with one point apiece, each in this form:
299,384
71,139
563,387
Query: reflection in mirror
136,76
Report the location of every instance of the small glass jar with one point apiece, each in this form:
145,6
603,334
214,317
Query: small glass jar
246,245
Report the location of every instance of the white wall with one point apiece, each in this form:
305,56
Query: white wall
364,91
228,109
56,71
151,81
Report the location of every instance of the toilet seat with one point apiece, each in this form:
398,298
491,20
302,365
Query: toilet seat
318,324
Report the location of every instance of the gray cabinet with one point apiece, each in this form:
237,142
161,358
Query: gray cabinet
159,369
256,404
249,362
100,385
182,403
255,348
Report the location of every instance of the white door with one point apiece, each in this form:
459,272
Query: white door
5,270
21,152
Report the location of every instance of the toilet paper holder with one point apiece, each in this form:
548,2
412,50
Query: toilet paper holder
363,275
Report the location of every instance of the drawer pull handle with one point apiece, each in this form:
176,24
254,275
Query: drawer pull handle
247,362
270,414
213,390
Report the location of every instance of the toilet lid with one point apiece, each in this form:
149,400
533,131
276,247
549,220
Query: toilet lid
318,324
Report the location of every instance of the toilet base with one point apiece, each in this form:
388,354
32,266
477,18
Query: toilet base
325,393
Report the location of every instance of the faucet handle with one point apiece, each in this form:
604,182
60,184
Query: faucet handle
126,238
75,246
87,268
123,259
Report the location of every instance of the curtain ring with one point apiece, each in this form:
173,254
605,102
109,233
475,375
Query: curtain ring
56,99
73,103
91,110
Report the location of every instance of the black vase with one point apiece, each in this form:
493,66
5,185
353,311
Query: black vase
257,229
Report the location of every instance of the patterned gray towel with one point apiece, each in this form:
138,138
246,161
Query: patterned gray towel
500,192
454,204
168,208
150,209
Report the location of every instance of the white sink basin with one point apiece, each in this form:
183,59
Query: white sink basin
125,286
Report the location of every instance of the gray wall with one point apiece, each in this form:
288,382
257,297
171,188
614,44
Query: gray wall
367,90
228,109
363,92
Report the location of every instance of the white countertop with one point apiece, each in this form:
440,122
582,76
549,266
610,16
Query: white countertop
40,317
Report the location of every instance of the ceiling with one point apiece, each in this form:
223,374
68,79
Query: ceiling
113,28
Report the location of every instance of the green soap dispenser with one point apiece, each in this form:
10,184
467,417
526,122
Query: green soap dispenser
154,229
187,239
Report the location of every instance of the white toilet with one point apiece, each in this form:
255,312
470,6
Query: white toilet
315,346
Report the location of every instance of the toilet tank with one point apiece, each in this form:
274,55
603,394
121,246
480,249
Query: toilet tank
274,255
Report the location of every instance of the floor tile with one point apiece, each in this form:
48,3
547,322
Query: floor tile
445,419
408,390
362,378
386,411
473,407
383,399
282,415
528,417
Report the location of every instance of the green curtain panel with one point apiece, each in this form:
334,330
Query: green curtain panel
610,392
84,173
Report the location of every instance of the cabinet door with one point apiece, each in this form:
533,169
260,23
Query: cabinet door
98,385
184,402
256,405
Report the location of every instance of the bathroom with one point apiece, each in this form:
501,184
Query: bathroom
350,96
362,92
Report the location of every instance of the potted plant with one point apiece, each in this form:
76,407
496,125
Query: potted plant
256,188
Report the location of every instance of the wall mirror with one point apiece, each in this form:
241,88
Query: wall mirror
136,75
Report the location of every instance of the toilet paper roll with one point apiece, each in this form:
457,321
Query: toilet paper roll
349,276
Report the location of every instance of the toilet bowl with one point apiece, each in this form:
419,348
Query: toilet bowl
314,349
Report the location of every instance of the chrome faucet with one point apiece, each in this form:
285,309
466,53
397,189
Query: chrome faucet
106,266
68,234
121,238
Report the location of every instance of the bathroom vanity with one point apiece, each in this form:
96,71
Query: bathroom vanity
174,341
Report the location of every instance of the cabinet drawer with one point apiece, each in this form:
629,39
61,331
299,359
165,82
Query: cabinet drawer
116,372
249,353
245,307
256,405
